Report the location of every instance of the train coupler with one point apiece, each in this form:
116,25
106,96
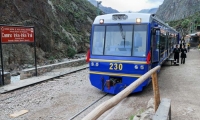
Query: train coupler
111,82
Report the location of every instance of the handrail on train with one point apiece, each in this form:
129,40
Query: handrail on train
99,110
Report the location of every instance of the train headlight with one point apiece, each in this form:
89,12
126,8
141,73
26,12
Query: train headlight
142,67
97,64
92,63
138,20
136,67
101,21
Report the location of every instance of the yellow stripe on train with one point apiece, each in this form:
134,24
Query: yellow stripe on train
115,74
118,61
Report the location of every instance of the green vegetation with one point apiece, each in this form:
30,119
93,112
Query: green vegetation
56,36
139,113
132,117
60,8
68,27
71,52
76,13
67,41
187,25
51,58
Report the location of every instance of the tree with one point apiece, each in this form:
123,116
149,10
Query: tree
183,28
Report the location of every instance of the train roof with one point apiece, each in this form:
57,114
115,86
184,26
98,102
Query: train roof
130,18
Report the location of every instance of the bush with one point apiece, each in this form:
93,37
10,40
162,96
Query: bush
185,23
67,41
71,52
51,58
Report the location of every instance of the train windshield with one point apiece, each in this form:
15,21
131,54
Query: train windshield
120,40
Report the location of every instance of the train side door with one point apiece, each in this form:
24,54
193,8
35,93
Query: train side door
168,41
155,40
178,38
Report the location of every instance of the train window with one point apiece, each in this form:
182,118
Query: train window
140,40
163,47
98,40
118,40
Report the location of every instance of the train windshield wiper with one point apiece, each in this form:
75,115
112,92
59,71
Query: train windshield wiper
122,33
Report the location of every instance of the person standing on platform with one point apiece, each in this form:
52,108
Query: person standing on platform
176,52
180,46
183,43
183,55
188,47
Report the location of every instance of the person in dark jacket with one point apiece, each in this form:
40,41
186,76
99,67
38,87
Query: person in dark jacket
180,45
183,55
176,52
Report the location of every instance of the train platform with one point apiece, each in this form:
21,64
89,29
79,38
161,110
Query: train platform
181,85
37,79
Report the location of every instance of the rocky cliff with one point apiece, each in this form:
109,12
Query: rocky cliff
152,10
106,10
62,28
172,10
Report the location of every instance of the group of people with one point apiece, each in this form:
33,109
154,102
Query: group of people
183,52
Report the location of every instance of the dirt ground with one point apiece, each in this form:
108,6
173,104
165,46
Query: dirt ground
181,85
62,98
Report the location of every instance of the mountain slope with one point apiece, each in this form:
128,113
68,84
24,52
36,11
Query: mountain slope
62,27
172,10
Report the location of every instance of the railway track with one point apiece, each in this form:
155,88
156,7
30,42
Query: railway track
87,107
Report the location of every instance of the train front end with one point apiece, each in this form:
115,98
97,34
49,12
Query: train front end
119,51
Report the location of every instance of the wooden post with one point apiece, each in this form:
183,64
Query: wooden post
156,90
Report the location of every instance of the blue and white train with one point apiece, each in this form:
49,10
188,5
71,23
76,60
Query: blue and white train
124,46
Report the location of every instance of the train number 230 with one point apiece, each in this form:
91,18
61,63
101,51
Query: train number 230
116,66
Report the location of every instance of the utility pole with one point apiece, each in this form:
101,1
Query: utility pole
98,3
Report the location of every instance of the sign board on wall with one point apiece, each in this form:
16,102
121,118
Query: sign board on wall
15,34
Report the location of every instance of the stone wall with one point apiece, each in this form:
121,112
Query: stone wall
7,78
27,73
